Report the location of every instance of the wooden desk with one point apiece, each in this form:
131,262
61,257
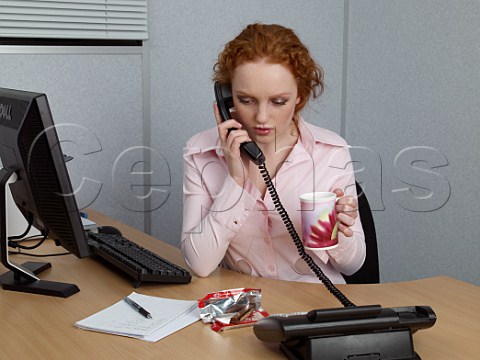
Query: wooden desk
42,327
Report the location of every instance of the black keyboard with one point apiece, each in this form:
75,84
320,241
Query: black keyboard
136,261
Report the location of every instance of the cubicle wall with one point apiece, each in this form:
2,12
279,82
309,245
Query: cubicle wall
403,83
95,95
413,100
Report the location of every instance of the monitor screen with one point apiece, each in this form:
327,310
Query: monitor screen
30,151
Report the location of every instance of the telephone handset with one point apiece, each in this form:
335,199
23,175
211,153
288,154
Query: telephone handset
223,95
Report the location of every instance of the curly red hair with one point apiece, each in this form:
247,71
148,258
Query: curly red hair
276,45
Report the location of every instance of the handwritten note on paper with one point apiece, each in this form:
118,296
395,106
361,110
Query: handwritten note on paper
168,316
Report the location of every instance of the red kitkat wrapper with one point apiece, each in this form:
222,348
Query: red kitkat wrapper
233,308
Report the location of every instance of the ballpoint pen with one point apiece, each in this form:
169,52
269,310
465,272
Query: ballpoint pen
137,307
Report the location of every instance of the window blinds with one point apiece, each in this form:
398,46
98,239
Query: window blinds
74,19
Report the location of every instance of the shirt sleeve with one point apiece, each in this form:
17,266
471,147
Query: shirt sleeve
210,220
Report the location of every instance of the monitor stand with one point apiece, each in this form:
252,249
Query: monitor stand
24,278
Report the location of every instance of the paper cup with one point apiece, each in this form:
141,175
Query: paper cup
319,220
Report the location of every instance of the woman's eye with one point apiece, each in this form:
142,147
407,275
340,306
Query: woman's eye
280,102
245,101
249,101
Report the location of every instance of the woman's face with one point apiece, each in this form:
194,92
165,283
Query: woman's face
265,96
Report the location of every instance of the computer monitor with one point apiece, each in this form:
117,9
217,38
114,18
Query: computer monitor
30,152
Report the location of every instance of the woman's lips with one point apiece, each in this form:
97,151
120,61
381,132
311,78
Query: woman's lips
262,131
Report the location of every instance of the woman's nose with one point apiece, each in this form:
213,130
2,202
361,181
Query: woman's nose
262,113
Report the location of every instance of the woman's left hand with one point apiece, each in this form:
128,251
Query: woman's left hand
347,212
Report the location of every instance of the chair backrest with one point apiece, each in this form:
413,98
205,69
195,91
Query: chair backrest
369,273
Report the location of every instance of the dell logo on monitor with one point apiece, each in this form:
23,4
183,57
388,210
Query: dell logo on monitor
5,112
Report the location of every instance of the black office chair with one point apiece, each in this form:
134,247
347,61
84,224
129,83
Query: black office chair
369,272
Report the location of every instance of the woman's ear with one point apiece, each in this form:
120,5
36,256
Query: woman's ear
297,110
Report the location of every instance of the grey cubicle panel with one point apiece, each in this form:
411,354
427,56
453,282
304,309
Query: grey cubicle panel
413,90
96,102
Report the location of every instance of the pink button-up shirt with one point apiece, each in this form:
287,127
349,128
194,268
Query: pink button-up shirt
236,227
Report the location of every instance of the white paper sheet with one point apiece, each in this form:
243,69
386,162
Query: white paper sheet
168,316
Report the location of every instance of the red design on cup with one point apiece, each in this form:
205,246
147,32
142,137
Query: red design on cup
324,233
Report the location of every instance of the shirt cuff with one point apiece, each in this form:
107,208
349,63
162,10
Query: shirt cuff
343,248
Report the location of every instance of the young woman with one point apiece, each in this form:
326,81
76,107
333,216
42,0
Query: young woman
229,218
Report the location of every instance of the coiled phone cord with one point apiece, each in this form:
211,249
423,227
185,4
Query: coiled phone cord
296,239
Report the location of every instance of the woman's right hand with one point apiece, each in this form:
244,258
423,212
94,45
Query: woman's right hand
230,141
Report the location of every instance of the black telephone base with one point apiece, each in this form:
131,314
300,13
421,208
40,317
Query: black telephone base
393,344
368,332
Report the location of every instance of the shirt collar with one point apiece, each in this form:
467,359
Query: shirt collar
203,142
311,135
